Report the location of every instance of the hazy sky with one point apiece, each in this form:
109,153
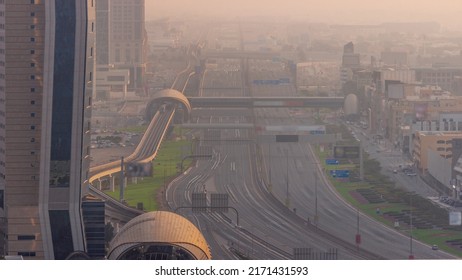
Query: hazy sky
348,11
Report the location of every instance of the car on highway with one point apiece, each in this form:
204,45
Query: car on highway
435,247
411,174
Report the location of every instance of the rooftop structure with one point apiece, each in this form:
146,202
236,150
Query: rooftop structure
159,235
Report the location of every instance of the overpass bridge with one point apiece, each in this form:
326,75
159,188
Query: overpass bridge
188,103
237,54
266,102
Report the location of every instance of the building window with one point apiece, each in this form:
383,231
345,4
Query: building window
26,254
32,102
26,237
32,39
32,140
32,77
32,127
117,55
32,26
32,51
32,14
32,89
32,64
32,115
32,1
1,196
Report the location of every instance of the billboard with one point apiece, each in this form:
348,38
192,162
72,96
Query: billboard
455,218
395,90
346,151
420,110
138,169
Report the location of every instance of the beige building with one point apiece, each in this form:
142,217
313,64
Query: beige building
440,142
128,39
443,76
422,113
46,75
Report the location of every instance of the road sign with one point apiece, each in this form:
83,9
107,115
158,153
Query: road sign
199,202
219,202
286,138
340,173
332,161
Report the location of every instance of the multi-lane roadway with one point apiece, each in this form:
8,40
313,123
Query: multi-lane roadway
278,189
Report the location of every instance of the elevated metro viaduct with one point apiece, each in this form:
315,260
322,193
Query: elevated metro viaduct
169,96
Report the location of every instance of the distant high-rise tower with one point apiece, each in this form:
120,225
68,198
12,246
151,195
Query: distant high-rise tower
349,48
127,37
102,32
349,58
46,83
350,62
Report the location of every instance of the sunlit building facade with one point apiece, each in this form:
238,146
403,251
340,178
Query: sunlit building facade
46,83
127,37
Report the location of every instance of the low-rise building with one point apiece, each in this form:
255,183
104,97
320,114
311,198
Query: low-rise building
443,77
440,142
421,109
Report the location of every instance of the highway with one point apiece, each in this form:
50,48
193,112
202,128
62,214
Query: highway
296,182
294,206
233,170
307,184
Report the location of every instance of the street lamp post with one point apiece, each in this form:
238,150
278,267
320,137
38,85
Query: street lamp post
315,199
287,179
411,255
269,166
454,190
358,235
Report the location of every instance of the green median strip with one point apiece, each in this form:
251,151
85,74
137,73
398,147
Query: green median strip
165,168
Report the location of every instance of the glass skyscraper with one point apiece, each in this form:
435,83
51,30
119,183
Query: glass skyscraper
46,85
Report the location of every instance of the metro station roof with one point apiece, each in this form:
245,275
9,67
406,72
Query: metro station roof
160,227
166,94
